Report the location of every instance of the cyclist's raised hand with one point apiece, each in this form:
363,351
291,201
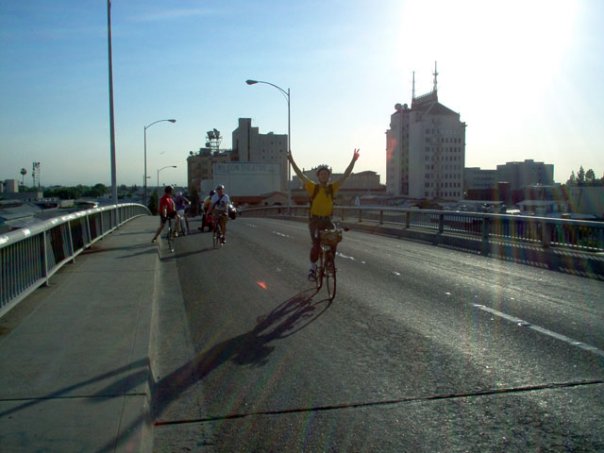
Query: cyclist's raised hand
356,154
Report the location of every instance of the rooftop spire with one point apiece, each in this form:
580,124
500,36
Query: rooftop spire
413,87
435,89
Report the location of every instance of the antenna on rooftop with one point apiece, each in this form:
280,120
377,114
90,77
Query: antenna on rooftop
35,174
413,87
435,78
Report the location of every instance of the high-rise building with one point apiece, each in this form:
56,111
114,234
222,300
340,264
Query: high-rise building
425,150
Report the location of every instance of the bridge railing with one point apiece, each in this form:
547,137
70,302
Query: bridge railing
30,256
485,233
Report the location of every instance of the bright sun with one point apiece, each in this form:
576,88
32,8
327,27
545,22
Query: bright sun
510,39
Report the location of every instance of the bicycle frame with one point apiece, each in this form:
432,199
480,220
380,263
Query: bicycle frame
170,235
217,235
326,269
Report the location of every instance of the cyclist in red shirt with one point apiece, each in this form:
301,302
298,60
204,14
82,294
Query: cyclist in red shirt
167,209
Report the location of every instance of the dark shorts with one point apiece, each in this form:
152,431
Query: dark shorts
317,223
171,215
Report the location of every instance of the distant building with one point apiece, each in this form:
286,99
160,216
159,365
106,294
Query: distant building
362,181
523,174
477,179
9,186
363,184
249,145
508,182
586,200
200,168
243,179
425,150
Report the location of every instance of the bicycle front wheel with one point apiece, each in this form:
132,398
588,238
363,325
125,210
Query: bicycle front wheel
330,275
169,237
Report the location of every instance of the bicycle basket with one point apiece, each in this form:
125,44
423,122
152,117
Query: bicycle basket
331,237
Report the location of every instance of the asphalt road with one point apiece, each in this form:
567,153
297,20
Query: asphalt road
424,349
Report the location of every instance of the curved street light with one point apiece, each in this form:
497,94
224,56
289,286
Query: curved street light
287,95
145,142
163,168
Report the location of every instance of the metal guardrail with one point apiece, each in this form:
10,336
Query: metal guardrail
541,239
30,256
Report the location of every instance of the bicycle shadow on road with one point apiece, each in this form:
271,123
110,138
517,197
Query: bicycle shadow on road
250,348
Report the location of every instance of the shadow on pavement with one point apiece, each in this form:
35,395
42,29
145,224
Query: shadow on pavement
250,348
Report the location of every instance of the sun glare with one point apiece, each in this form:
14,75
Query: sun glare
511,36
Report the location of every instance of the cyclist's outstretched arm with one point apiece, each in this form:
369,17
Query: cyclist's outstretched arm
297,170
348,171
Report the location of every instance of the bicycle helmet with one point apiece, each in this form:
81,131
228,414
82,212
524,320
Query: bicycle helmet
168,189
323,167
219,187
212,192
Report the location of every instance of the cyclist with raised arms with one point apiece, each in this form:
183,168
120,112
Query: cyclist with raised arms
321,196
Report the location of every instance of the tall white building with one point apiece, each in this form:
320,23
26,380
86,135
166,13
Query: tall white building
425,150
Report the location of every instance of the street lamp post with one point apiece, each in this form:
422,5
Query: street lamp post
111,117
145,144
287,95
163,168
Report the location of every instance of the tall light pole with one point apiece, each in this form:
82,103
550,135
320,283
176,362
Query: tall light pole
145,176
163,168
111,120
287,95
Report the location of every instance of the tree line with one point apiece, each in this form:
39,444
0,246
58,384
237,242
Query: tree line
81,191
585,178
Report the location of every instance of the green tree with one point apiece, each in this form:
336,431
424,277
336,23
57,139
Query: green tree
153,203
96,191
590,177
581,176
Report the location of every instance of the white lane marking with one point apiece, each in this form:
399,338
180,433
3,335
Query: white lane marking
281,234
346,257
557,336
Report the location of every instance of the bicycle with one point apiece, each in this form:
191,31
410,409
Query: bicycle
326,269
217,236
170,235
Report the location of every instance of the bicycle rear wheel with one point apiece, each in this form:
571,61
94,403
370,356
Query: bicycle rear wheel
330,275
216,234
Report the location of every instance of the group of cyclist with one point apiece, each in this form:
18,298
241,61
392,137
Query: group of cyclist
321,195
215,207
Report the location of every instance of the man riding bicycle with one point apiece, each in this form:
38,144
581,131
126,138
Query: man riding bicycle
167,209
219,208
321,196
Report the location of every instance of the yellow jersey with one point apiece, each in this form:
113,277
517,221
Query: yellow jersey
322,205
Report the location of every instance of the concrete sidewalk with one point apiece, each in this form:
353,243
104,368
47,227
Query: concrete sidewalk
74,356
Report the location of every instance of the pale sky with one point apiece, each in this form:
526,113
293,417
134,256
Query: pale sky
525,75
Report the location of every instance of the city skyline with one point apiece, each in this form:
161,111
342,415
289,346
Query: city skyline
522,75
